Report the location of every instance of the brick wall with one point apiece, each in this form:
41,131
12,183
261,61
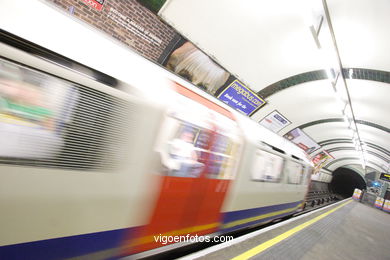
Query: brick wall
126,21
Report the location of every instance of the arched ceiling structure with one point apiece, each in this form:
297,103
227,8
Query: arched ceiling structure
284,50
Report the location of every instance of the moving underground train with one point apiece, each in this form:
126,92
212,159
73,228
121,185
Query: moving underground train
99,154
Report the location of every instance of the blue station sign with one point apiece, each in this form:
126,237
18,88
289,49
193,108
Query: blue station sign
385,176
241,98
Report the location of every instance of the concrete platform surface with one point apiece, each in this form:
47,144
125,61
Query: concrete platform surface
347,230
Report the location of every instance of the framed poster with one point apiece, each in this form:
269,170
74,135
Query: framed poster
275,121
298,137
241,98
321,158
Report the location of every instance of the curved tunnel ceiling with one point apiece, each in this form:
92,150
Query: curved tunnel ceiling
358,73
269,47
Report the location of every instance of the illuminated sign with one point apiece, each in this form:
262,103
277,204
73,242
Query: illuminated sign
241,98
385,176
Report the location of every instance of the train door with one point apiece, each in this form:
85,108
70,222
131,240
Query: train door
197,146
220,159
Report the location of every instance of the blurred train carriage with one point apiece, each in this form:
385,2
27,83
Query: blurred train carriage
96,161
198,145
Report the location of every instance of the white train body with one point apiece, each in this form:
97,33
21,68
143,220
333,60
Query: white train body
90,175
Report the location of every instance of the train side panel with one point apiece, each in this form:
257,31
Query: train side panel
252,201
77,186
198,146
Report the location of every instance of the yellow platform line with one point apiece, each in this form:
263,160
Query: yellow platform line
260,248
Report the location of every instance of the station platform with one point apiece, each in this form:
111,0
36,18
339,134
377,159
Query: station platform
344,230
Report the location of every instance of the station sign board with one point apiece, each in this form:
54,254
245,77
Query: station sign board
241,98
385,176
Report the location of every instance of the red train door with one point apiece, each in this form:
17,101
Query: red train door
197,150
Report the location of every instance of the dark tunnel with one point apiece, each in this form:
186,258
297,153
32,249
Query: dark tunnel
345,181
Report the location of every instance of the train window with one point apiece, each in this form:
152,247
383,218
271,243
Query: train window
203,139
221,144
184,152
295,173
50,122
267,167
193,149
210,149
221,160
28,114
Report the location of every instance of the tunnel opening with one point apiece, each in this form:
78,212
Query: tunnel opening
345,181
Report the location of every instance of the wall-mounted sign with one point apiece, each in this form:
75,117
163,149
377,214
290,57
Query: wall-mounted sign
298,137
321,158
97,4
133,26
126,21
241,98
189,62
275,121
385,176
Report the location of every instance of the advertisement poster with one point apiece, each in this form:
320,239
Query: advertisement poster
195,66
187,61
34,108
129,22
321,159
97,4
241,98
274,121
298,137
